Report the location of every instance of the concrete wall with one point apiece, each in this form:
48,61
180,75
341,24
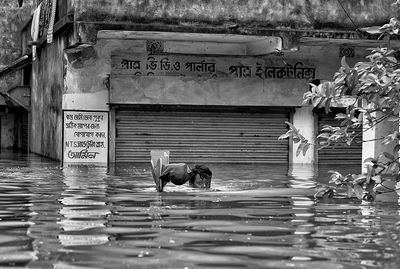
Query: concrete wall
195,91
289,19
87,76
89,69
283,13
46,100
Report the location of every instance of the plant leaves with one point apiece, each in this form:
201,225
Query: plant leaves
370,161
377,179
396,150
299,149
358,190
359,179
350,190
325,192
284,136
372,30
394,168
370,195
388,156
305,148
327,105
316,101
344,64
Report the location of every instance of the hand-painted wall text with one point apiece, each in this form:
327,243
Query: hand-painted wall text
216,67
85,137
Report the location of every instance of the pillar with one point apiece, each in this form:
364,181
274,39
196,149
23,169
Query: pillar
373,136
304,120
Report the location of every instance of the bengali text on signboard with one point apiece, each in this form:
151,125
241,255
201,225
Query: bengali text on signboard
85,137
213,67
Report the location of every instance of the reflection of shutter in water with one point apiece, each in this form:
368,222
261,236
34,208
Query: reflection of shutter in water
209,137
341,153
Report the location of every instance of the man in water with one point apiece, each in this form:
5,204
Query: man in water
198,176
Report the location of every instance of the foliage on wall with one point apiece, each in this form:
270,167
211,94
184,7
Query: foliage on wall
374,85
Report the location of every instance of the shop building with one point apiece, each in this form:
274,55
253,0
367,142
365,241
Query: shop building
212,82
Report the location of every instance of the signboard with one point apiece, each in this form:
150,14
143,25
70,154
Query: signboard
85,136
211,67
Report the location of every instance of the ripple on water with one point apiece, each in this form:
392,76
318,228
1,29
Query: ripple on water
19,258
256,216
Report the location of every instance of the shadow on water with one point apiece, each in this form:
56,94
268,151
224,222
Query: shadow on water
255,216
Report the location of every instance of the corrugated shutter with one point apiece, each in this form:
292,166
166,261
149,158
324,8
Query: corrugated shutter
208,137
340,154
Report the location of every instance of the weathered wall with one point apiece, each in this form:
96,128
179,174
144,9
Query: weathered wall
88,70
249,13
88,77
46,100
194,91
7,130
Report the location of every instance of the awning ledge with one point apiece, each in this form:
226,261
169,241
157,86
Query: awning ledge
200,43
17,64
12,102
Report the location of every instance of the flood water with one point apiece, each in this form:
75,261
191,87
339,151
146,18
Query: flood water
255,216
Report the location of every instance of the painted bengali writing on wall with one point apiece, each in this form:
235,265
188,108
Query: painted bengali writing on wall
85,136
162,65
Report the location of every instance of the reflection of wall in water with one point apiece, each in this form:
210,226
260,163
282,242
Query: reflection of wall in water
44,193
83,206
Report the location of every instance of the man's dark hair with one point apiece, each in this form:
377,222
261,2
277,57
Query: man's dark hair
204,173
202,170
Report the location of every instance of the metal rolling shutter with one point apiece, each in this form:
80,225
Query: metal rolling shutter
208,137
340,154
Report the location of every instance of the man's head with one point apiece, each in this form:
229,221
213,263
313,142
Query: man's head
202,178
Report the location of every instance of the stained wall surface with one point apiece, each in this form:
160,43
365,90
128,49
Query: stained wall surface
284,13
46,100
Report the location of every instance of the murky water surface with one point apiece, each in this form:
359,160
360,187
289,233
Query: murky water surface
256,216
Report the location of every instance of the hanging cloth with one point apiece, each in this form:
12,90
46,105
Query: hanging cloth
35,30
51,22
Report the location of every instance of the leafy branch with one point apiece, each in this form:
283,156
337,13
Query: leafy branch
297,138
373,86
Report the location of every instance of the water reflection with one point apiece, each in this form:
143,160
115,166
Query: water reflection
256,216
302,175
83,206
